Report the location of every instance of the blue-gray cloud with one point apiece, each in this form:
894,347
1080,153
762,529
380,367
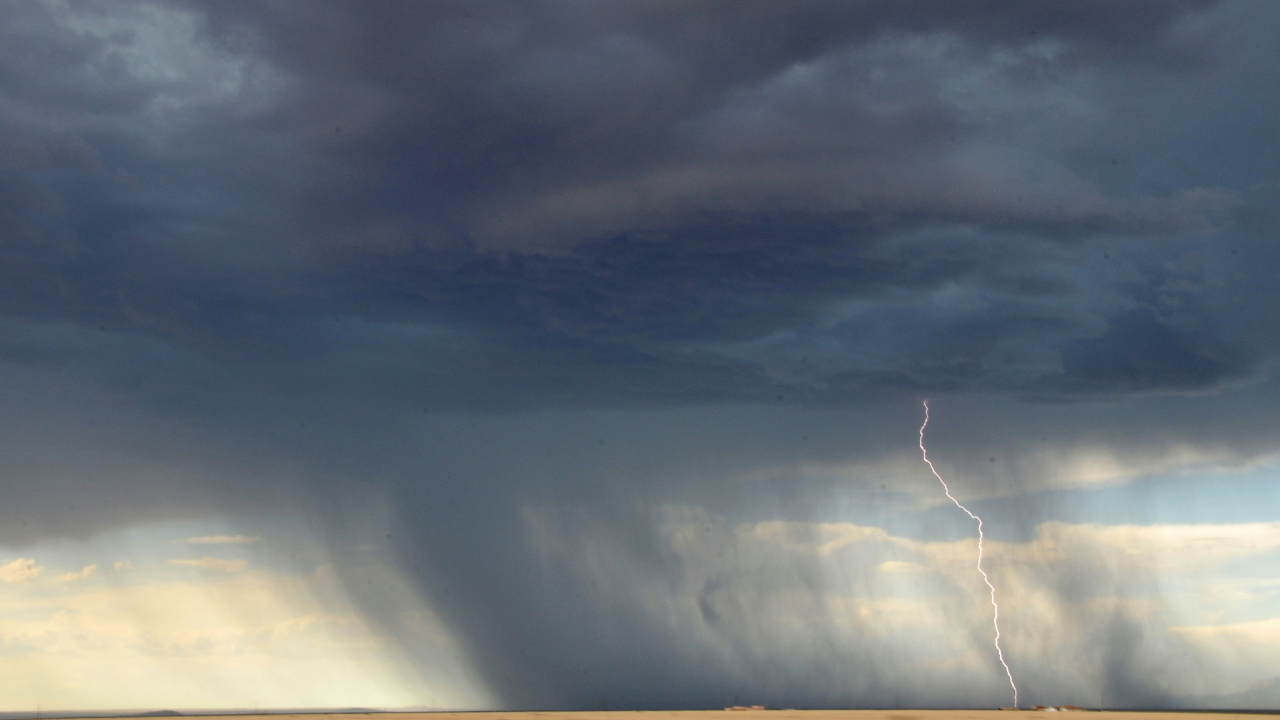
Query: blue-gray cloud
272,245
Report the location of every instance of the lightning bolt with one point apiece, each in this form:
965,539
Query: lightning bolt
996,608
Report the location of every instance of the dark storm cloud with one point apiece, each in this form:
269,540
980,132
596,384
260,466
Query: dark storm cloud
549,123
1140,349
626,188
481,258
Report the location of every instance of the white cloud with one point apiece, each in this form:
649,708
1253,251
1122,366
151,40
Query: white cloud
1262,631
222,540
20,571
1173,547
814,538
87,571
211,563
1103,465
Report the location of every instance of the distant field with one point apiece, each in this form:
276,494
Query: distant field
750,715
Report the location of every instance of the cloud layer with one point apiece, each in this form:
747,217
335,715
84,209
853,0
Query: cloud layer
529,293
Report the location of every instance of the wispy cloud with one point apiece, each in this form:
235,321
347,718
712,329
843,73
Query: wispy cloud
899,566
222,540
212,563
20,571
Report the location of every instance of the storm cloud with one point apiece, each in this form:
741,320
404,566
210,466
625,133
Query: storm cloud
619,307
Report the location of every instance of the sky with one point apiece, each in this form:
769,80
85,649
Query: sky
573,354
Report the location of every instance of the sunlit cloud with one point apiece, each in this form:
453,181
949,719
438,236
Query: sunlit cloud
815,538
1173,547
1102,465
17,572
211,563
898,566
85,572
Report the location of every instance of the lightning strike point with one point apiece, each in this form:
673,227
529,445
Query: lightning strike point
995,608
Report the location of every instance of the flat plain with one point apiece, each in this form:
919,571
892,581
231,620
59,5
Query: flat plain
763,715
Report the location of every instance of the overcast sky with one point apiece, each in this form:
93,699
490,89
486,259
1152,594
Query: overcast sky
572,354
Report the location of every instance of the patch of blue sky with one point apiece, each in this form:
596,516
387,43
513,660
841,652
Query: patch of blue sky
1193,497
1171,498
